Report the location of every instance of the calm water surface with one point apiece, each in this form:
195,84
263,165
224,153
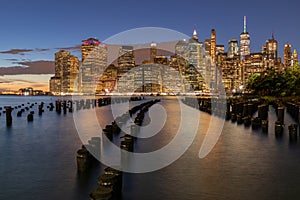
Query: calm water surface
37,160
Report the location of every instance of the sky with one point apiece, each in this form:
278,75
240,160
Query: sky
33,30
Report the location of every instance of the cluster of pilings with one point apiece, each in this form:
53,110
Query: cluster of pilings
110,183
293,108
128,140
84,158
20,110
279,124
59,106
241,111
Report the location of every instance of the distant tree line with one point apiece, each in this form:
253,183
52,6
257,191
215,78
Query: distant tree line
274,83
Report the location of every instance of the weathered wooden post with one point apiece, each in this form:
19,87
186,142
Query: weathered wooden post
8,110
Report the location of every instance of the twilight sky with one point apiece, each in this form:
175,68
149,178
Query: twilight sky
33,30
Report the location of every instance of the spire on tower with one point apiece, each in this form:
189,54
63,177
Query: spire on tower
245,24
195,33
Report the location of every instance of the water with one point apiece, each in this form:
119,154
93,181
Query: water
37,161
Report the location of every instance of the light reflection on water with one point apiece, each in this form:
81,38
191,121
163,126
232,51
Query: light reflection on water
38,161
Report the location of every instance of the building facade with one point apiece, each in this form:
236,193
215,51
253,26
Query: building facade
270,53
233,48
244,42
126,64
213,46
66,73
94,63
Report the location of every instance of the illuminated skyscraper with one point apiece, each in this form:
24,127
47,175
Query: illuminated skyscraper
231,71
94,62
295,58
244,42
180,48
270,52
213,45
70,73
207,46
126,57
66,71
233,48
287,56
153,52
195,56
126,63
199,72
60,60
219,49
88,46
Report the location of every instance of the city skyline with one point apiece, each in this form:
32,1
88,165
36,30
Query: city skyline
44,32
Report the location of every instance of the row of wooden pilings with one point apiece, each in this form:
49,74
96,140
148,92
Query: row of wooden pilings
241,111
59,106
110,182
20,109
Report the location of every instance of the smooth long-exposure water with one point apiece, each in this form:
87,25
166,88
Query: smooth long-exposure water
38,160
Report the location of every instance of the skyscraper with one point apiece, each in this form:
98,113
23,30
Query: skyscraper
213,46
219,49
153,52
244,42
233,48
295,58
287,56
270,52
94,62
126,57
207,46
195,57
66,71
70,73
180,48
88,46
126,63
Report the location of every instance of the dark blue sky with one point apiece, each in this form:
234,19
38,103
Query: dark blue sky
56,23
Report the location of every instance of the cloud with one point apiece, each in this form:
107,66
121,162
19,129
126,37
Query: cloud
29,67
74,48
12,59
41,49
16,51
22,51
